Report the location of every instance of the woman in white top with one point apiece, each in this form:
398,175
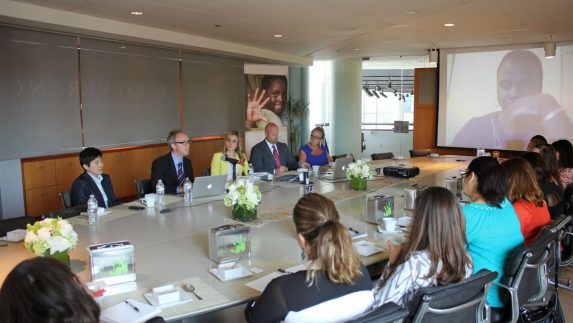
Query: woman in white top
434,253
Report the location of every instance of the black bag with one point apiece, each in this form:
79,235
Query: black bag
549,313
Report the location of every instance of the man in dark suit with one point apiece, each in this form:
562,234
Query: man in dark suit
174,167
270,155
93,181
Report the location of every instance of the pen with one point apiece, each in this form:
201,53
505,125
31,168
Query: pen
355,231
132,306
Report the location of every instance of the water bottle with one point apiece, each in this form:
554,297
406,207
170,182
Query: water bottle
187,187
160,191
251,172
92,210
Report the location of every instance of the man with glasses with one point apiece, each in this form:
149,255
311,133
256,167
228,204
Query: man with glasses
174,167
270,155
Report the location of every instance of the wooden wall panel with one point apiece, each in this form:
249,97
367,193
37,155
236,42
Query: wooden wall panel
201,154
41,200
38,172
112,167
136,164
67,170
425,107
424,128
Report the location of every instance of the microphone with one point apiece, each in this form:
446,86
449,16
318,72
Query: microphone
165,211
325,124
230,160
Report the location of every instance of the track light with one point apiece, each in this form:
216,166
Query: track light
389,84
550,48
412,92
376,94
395,92
382,94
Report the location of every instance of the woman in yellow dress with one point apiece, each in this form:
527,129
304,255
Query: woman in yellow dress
232,150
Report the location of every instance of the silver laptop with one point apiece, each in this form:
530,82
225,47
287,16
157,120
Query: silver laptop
339,172
205,186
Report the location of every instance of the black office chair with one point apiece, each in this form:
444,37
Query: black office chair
66,199
142,187
380,156
389,312
461,302
420,152
334,158
8,225
206,171
565,257
525,275
67,213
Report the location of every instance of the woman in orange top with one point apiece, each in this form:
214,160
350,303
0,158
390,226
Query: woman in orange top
527,198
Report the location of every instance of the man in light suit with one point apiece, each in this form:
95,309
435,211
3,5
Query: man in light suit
270,155
174,167
92,181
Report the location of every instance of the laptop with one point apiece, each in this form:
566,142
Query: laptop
339,172
206,186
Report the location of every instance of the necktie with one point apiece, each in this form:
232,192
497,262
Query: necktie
276,155
180,174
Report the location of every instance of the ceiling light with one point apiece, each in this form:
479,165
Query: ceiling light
550,48
382,94
367,91
356,49
375,94
389,85
278,35
137,13
410,12
449,24
433,55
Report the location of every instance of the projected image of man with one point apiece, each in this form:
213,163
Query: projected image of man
525,110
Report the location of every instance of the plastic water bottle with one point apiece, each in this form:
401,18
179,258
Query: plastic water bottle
160,191
92,210
251,172
187,189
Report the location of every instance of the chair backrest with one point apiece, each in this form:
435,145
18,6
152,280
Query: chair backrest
334,310
568,193
420,152
389,312
68,212
66,199
460,302
206,171
380,156
142,187
11,224
525,273
335,157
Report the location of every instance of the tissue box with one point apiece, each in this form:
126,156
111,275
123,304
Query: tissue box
377,207
229,243
113,263
410,194
166,294
16,235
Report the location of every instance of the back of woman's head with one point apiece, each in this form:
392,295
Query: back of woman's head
330,249
550,165
522,181
438,226
45,290
565,150
534,159
492,179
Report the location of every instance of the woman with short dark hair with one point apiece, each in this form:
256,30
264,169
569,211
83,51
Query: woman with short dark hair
492,226
564,154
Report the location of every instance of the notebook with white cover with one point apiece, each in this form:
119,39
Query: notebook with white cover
125,313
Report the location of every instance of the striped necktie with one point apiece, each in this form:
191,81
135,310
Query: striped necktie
180,174
276,155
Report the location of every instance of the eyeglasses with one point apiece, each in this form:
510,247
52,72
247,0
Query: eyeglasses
313,137
464,173
187,142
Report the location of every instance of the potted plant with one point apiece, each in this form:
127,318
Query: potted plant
296,112
51,238
243,196
358,172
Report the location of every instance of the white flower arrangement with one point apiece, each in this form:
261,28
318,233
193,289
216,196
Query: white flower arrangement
50,235
359,169
244,194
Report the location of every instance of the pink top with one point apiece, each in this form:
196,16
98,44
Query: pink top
531,218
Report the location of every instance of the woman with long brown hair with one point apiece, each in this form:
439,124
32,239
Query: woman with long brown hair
333,275
526,196
434,253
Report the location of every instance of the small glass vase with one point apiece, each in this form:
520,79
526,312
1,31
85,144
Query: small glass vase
61,256
358,184
243,214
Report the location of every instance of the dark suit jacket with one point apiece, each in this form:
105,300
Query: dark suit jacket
164,169
263,160
84,186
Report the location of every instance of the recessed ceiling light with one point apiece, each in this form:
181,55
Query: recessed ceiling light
449,25
137,13
278,35
122,47
410,12
356,49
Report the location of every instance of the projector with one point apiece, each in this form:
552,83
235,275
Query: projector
403,172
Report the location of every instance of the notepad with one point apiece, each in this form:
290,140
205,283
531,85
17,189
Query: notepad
124,313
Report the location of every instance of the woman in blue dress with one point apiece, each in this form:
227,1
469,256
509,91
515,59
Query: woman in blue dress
314,153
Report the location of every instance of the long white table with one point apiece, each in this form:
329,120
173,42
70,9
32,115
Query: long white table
173,247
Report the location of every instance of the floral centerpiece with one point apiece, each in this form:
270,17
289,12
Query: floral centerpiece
51,238
243,196
358,173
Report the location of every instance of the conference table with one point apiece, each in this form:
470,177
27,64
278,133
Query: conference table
172,248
